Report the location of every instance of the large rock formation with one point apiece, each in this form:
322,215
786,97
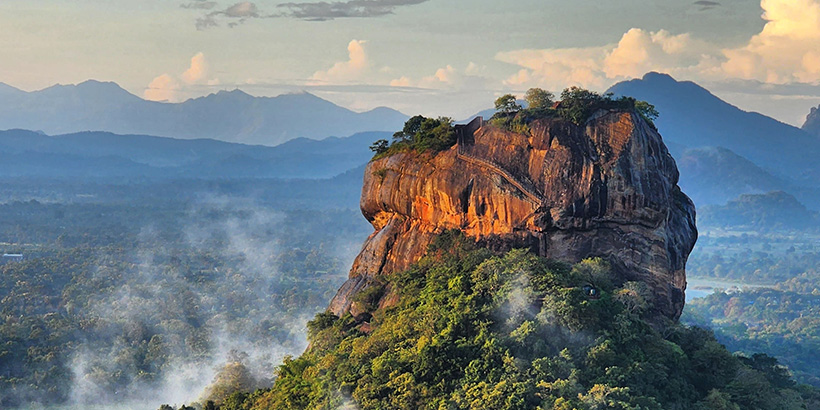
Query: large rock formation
812,124
607,189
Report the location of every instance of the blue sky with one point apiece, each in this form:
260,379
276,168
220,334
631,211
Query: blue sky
437,57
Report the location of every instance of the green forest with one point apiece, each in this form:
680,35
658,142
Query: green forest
116,302
784,321
476,330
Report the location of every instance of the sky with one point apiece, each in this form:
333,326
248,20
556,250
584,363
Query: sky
433,57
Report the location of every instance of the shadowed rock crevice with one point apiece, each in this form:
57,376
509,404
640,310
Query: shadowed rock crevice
607,189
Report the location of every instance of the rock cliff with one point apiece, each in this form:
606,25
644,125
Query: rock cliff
607,189
812,124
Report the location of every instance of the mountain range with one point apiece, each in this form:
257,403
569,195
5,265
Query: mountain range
722,151
693,117
232,116
103,154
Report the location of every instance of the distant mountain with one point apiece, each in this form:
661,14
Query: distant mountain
298,158
812,124
489,112
73,166
693,117
486,114
772,211
715,175
232,116
100,154
722,151
9,91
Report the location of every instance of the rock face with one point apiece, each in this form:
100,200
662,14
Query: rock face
607,189
812,124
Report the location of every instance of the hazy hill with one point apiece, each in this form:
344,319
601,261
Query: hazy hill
722,151
227,115
812,124
771,211
715,175
7,91
101,154
693,117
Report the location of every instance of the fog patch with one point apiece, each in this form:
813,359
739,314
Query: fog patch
167,330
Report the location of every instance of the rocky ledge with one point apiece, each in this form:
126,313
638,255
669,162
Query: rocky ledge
606,189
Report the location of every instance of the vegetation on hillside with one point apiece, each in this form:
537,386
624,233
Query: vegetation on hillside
755,258
782,318
775,211
784,321
577,105
115,301
473,330
419,134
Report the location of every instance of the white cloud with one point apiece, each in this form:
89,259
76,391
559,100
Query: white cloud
787,50
474,69
637,52
244,9
198,70
401,82
162,88
640,51
448,77
441,78
557,68
359,69
355,68
167,87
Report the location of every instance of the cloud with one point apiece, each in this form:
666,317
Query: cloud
162,88
311,11
706,4
236,14
637,52
640,51
244,9
785,51
200,5
168,88
443,76
448,78
322,11
198,70
401,82
355,68
787,48
556,68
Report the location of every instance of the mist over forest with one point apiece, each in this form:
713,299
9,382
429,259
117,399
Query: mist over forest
128,301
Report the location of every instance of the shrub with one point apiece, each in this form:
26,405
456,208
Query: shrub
419,134
476,330
578,104
538,99
380,146
507,104
380,173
